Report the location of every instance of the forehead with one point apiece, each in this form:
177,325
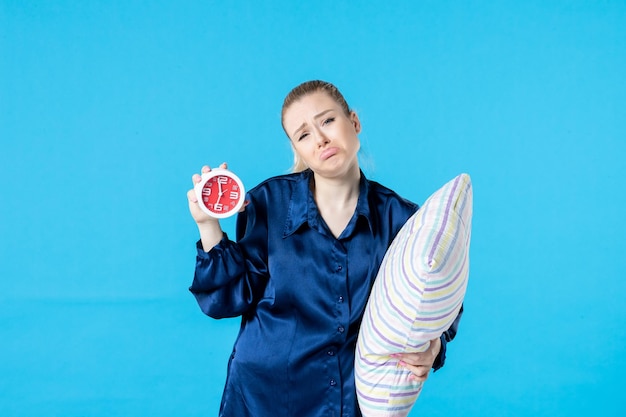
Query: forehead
308,107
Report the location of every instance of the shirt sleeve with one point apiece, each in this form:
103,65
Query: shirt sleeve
446,337
229,278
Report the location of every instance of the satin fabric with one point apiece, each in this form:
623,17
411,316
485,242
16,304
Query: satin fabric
301,294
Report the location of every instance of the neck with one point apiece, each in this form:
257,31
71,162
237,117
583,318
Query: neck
337,192
337,198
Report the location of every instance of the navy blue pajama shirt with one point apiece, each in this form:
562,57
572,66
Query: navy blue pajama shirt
300,293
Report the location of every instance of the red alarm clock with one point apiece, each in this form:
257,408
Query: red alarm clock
220,193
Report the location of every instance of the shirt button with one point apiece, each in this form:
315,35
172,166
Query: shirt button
333,382
339,268
340,299
340,329
331,353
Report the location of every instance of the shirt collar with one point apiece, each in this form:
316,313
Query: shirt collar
302,207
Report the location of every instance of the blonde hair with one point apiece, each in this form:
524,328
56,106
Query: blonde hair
298,93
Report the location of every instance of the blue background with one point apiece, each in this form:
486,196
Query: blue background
108,107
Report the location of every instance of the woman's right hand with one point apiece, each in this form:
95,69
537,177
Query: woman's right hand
209,227
199,216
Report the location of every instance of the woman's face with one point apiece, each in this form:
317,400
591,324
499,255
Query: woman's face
322,135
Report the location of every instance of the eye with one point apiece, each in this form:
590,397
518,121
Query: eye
328,121
303,136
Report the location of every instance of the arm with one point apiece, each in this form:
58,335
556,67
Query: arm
226,283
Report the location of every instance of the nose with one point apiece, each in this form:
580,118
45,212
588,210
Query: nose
321,138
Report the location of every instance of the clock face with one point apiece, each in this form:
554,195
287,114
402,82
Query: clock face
220,193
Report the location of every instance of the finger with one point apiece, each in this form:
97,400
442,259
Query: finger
191,196
418,378
418,373
206,168
245,203
196,178
415,359
224,165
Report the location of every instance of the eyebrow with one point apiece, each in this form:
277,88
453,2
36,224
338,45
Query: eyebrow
317,116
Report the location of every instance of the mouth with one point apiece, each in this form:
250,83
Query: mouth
328,153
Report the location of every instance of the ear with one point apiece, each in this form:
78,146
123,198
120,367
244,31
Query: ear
354,118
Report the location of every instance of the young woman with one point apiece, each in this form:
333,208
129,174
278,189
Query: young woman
307,251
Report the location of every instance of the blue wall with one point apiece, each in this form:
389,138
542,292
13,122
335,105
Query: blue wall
108,107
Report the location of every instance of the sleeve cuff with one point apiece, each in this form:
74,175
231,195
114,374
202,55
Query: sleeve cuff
204,254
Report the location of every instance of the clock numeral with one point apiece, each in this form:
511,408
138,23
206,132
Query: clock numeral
234,195
222,180
218,207
206,191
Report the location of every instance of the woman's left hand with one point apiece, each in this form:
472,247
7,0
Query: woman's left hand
420,363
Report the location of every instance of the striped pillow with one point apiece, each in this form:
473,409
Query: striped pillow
416,296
